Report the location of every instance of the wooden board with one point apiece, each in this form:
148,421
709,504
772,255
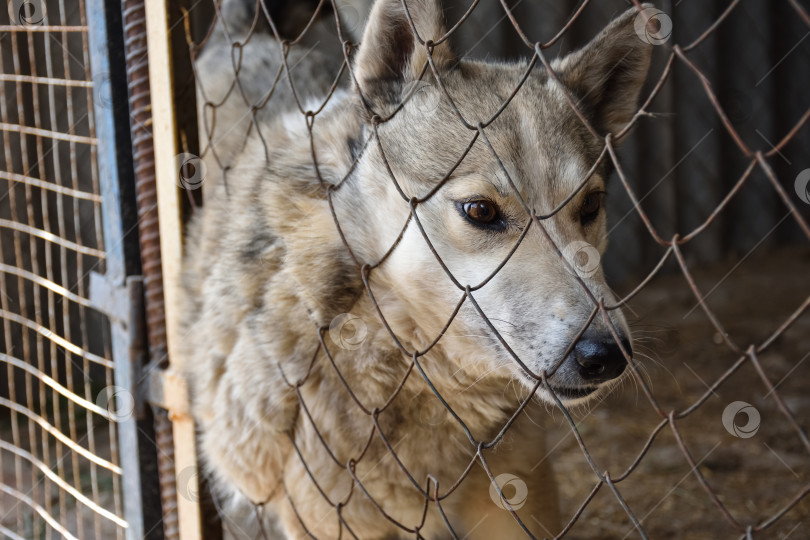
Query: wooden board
165,141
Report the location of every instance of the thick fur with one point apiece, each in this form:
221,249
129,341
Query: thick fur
266,268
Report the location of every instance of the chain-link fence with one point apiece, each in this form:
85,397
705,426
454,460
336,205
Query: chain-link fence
712,166
389,335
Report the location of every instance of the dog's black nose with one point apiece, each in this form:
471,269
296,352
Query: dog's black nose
601,360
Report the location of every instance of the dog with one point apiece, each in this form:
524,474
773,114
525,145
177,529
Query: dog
316,306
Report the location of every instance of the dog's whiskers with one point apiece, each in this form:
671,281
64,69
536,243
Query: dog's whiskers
479,379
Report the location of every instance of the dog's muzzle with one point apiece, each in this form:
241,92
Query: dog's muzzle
595,360
600,359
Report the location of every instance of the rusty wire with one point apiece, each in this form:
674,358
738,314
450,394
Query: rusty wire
59,446
747,353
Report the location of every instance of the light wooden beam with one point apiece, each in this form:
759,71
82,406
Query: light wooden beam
164,131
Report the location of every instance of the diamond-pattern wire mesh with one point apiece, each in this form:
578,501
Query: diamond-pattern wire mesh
60,475
748,354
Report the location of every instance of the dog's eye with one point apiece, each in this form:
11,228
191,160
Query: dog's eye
484,212
591,206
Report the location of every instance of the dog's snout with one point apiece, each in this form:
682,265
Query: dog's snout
601,359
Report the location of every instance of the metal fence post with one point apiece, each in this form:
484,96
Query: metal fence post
119,292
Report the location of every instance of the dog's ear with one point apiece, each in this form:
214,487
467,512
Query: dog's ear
390,55
607,74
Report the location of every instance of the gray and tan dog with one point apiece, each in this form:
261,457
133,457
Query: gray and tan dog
266,268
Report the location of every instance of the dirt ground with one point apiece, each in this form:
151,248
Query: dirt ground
753,477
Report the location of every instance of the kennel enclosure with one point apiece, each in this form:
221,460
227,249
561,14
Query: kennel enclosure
97,101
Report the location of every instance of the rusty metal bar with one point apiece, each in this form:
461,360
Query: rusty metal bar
140,104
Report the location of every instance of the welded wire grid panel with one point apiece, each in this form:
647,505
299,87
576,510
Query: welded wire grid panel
608,504
59,466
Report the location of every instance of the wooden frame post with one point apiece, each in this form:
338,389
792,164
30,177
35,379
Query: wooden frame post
165,141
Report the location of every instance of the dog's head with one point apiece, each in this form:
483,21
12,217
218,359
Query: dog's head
545,293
